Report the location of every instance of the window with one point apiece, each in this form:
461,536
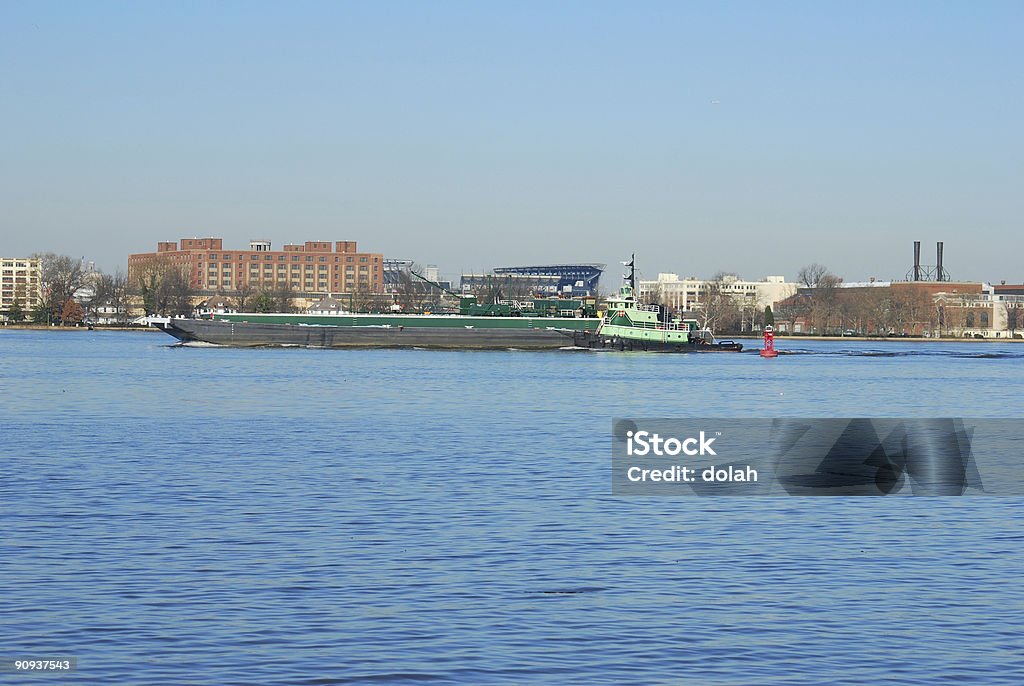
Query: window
254,257
280,258
309,259
295,258
323,259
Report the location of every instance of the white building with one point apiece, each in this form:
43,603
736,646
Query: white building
686,294
326,305
20,283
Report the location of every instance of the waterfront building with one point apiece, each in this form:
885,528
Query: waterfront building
108,314
20,284
688,295
216,304
327,305
313,267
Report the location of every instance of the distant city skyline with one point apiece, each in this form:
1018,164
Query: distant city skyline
745,137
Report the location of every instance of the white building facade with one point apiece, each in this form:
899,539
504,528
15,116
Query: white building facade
685,295
20,284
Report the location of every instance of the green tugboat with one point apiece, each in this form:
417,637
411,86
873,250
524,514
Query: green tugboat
630,325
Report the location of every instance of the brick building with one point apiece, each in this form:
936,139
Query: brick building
314,267
20,283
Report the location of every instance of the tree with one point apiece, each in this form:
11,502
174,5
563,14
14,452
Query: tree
721,310
61,275
812,274
72,312
243,293
262,302
823,286
109,290
1013,316
150,286
284,297
15,313
769,317
41,313
177,292
165,289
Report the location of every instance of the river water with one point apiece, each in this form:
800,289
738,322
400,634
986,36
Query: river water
179,515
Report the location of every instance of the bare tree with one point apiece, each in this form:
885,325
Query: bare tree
148,285
409,290
61,277
244,291
165,289
812,274
177,292
109,290
1014,310
284,297
824,298
721,310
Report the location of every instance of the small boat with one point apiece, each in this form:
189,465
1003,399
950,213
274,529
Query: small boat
630,325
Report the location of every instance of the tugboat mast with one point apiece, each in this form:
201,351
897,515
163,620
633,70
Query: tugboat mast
632,273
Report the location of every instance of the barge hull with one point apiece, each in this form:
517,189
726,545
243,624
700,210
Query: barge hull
252,335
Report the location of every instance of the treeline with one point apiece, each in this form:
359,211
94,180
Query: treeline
165,289
822,306
832,310
70,293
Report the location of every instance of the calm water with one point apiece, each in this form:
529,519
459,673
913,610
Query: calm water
205,515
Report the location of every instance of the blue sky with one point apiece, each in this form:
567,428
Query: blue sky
752,137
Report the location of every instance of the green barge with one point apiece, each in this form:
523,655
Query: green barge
574,314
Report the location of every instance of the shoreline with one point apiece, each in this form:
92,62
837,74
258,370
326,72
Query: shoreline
48,327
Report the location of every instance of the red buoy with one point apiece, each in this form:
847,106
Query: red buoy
769,343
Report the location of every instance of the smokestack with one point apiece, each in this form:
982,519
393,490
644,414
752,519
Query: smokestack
938,262
917,260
